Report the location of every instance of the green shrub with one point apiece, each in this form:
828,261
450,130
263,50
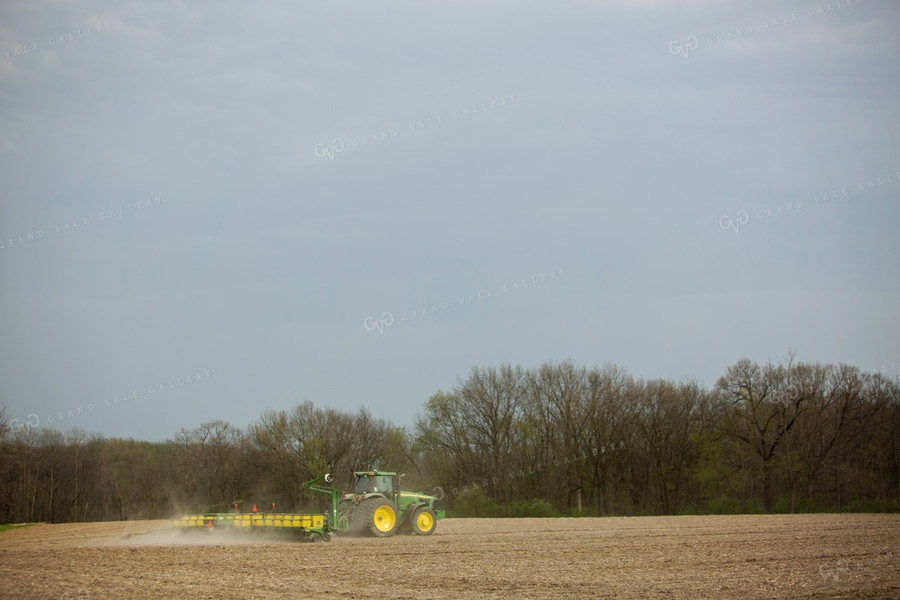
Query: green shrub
475,503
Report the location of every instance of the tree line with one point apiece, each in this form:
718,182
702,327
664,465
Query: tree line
557,439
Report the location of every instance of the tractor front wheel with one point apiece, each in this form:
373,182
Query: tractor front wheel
423,521
377,516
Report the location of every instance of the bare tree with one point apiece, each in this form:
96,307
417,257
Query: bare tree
559,406
211,455
607,424
762,417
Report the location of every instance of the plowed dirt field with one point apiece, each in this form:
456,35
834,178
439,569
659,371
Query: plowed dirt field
770,556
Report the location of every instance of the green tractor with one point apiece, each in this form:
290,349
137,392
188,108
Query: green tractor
377,506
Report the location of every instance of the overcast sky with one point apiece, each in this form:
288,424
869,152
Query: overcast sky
213,208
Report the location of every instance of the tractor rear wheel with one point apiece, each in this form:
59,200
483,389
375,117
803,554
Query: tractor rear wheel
377,516
423,521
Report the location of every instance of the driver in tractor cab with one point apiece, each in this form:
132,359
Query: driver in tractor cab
366,484
363,486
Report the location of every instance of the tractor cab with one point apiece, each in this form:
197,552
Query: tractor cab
377,482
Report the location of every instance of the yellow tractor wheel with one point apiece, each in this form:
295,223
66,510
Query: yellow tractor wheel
378,516
423,521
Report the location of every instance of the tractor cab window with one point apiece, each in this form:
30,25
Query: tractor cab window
374,483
